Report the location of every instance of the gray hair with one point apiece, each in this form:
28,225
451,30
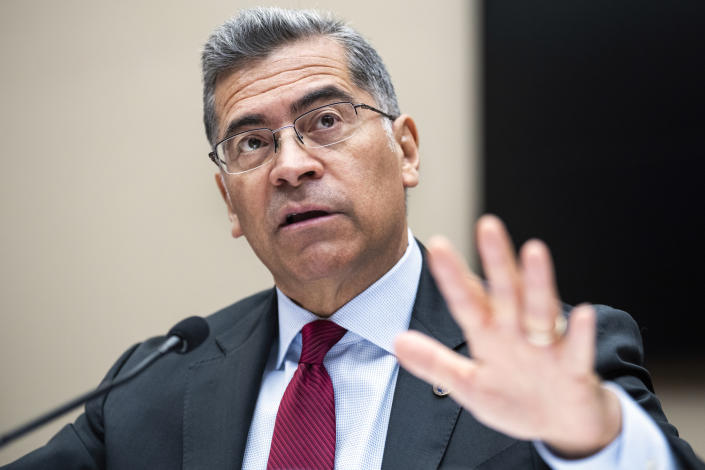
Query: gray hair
254,33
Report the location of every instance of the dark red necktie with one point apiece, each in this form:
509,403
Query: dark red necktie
304,432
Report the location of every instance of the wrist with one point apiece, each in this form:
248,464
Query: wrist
591,439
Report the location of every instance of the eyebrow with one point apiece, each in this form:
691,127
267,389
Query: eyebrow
244,121
325,93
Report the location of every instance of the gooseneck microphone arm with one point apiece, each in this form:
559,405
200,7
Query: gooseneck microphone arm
182,338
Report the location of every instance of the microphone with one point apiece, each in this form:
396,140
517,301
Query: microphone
183,337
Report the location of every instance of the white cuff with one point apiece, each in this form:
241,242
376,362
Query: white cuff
640,444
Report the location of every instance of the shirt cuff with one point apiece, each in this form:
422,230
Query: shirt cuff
640,443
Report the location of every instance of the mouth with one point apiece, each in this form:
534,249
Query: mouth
298,217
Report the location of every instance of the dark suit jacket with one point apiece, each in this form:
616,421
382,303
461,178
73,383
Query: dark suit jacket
193,411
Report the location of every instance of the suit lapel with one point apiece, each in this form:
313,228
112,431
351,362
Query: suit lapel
421,424
223,389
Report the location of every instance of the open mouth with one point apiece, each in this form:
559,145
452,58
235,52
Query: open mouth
294,218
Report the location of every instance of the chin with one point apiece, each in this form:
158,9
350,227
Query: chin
316,263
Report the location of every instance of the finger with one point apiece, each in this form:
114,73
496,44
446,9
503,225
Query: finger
499,263
462,290
432,362
580,340
540,296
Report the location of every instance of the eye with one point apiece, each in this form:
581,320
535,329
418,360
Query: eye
327,121
323,120
251,143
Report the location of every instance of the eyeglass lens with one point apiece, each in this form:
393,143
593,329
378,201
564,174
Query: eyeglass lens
319,127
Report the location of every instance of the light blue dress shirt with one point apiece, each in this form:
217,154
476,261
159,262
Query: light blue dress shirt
364,369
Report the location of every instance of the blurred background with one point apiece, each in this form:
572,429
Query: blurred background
576,122
592,116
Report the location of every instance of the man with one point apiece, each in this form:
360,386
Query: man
314,159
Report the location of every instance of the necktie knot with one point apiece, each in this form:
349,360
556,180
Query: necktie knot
317,338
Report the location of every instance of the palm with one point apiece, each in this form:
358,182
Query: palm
530,391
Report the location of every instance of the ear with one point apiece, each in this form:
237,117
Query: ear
235,229
408,139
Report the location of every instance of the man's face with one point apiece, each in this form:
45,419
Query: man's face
350,194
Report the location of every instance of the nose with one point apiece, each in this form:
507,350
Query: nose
293,162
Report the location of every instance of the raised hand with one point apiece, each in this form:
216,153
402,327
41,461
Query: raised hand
525,377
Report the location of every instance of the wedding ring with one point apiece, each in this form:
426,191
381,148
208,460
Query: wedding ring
547,338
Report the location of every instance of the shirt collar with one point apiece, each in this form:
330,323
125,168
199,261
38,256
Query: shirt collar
378,314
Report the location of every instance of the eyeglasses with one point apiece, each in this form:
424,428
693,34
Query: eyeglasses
319,127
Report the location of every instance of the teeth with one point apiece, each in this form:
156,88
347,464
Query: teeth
290,218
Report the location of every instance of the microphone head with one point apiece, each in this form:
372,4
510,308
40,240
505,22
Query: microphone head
192,331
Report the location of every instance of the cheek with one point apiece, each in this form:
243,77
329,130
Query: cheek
247,203
383,168
379,184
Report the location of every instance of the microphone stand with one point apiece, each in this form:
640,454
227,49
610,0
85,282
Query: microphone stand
170,343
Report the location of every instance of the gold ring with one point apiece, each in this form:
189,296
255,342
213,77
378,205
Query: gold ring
547,338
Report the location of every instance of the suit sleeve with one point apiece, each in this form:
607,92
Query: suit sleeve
620,359
77,446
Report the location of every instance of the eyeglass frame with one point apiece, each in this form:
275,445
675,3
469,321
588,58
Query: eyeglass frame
213,155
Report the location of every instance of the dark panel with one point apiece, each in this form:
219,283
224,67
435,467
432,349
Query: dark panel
594,142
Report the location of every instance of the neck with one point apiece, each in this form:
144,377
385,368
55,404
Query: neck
326,295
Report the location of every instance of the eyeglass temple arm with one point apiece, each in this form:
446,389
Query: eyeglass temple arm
367,106
215,159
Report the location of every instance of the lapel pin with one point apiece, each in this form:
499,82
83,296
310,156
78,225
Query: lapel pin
440,390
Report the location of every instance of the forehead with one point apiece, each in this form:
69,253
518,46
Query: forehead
268,86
